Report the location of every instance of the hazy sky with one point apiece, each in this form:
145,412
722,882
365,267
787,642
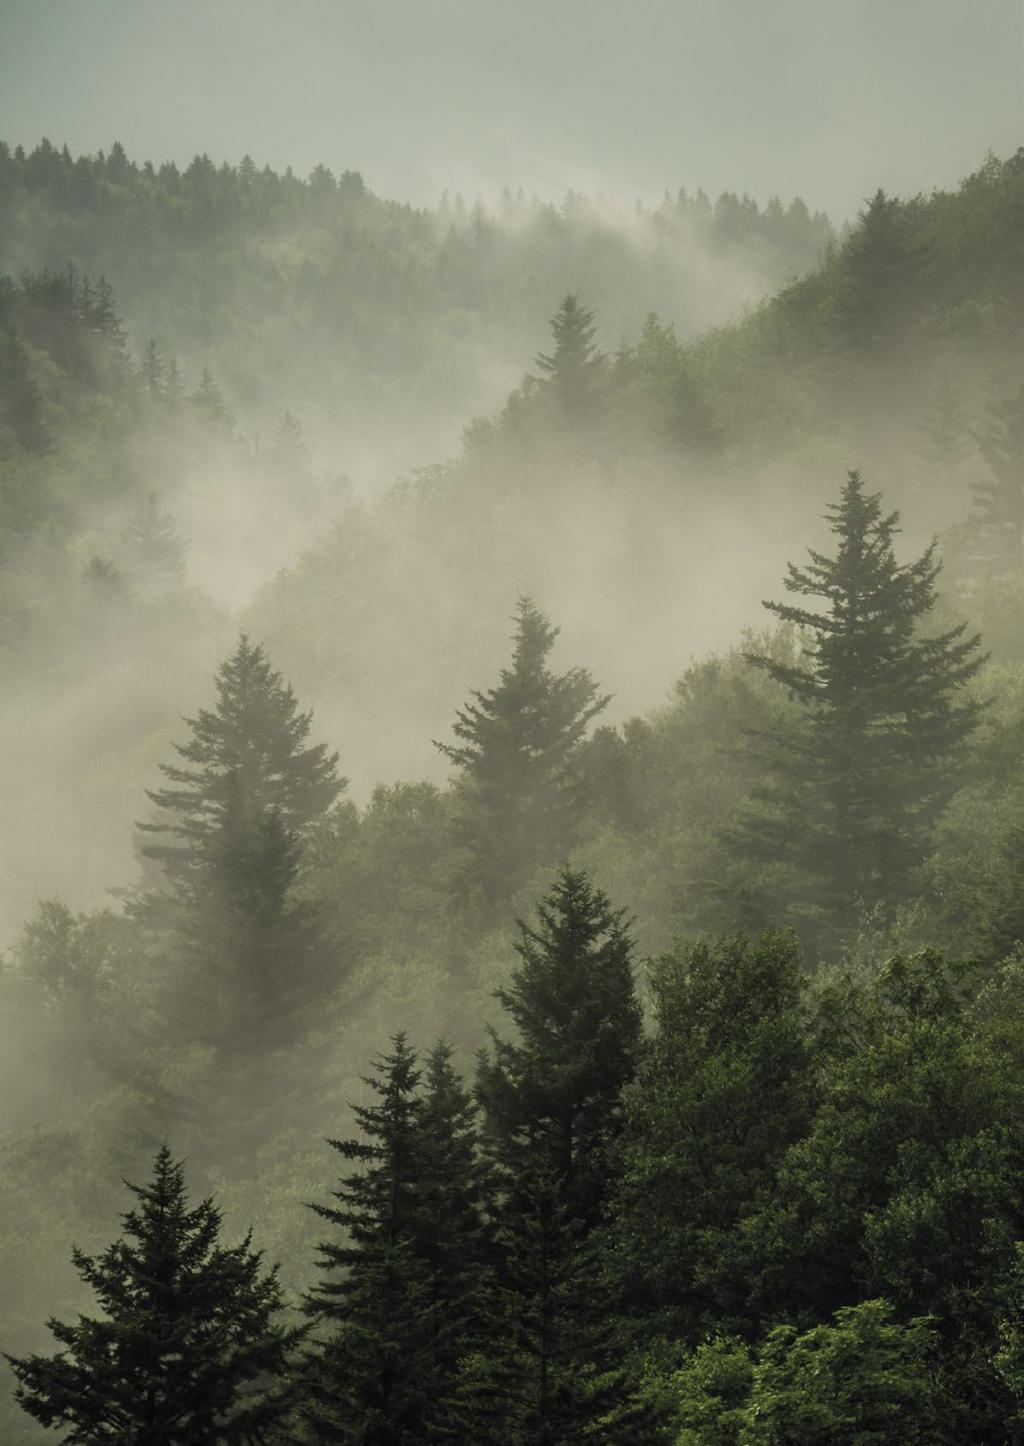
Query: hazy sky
826,98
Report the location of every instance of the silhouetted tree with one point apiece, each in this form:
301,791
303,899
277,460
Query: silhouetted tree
518,795
572,368
189,1350
856,793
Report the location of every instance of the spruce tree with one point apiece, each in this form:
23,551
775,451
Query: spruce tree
247,760
551,1105
998,519
209,403
573,368
154,550
518,795
247,959
374,1378
883,269
854,796
152,370
189,1350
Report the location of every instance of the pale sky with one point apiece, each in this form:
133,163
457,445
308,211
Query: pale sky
824,98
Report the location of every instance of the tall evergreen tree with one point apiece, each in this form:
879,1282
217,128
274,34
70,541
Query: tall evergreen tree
572,369
153,547
247,960
209,403
517,790
189,1350
883,268
247,759
152,370
374,1379
854,796
551,1104
998,519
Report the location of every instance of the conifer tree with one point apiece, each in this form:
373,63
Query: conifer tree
209,403
174,386
884,265
572,369
247,759
189,1350
998,520
375,1378
154,549
517,791
248,961
551,1104
452,1192
854,796
152,370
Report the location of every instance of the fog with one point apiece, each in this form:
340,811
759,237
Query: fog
348,405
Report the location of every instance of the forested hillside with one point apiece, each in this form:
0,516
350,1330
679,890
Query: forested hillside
380,325
607,840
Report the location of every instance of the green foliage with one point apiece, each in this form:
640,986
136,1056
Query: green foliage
998,520
727,1085
854,797
550,1103
866,1378
518,790
187,1352
399,1295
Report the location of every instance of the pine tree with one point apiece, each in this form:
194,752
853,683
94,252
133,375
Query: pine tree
247,959
174,386
572,369
104,313
189,1350
247,760
374,1379
152,370
154,549
551,1104
998,519
854,796
517,791
209,403
884,266
449,1225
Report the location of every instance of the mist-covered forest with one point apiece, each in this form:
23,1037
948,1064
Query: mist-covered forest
513,793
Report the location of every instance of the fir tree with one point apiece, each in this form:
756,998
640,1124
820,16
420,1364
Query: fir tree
154,549
374,1379
152,370
517,791
174,386
209,403
998,519
884,265
189,1350
572,369
248,961
452,1191
551,1104
855,795
556,1087
247,760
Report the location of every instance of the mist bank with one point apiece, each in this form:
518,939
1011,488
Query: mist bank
380,325
649,513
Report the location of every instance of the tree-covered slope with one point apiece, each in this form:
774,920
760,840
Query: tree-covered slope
379,324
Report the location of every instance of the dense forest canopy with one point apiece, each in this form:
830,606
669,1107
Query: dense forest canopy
649,958
386,324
